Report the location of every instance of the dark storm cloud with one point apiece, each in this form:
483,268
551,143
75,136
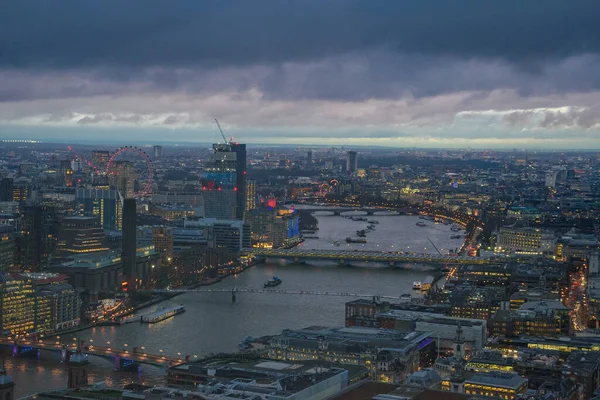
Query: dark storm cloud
186,33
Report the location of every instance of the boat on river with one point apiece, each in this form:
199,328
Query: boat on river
274,281
421,223
162,314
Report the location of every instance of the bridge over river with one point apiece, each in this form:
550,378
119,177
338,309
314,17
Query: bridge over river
333,210
345,256
233,291
122,358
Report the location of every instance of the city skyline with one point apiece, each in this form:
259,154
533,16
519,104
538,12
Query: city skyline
470,74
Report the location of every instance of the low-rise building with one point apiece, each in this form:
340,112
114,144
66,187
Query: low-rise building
264,380
389,355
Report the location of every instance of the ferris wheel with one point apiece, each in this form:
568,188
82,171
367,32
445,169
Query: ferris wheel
130,170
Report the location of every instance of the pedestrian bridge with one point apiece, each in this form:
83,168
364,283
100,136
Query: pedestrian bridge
121,357
346,256
233,291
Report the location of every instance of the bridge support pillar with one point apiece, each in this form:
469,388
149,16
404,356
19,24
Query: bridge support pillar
392,264
233,296
64,354
296,260
342,263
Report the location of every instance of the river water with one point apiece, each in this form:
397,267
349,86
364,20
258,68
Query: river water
213,323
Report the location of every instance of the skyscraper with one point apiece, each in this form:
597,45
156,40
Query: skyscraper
309,157
38,236
6,189
221,186
240,169
250,195
128,250
351,161
157,150
7,248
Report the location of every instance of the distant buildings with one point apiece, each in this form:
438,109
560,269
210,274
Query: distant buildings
157,151
121,177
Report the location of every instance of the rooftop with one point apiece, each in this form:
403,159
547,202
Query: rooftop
498,379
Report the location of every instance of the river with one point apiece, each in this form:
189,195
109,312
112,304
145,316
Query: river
213,323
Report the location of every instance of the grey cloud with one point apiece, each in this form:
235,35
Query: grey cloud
95,119
209,33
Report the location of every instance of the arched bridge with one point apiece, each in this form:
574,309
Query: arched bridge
367,210
344,256
121,357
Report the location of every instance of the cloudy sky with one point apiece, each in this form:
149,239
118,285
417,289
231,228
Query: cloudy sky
424,73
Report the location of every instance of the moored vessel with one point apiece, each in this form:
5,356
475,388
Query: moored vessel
421,223
417,285
162,314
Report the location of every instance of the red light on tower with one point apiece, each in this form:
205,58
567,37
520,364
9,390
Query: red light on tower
272,203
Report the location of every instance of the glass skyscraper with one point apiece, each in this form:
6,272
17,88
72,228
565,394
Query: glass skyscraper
224,185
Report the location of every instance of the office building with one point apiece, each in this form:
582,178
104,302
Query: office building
38,236
504,385
7,248
240,170
20,192
58,304
262,379
103,273
544,318
388,355
6,189
225,182
251,195
157,151
525,241
162,240
104,204
121,177
351,161
17,305
80,235
309,158
272,228
128,250
230,235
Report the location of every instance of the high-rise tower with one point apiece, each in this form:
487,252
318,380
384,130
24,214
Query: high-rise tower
128,250
225,181
351,161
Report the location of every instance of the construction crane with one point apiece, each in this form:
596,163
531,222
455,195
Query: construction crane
221,130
